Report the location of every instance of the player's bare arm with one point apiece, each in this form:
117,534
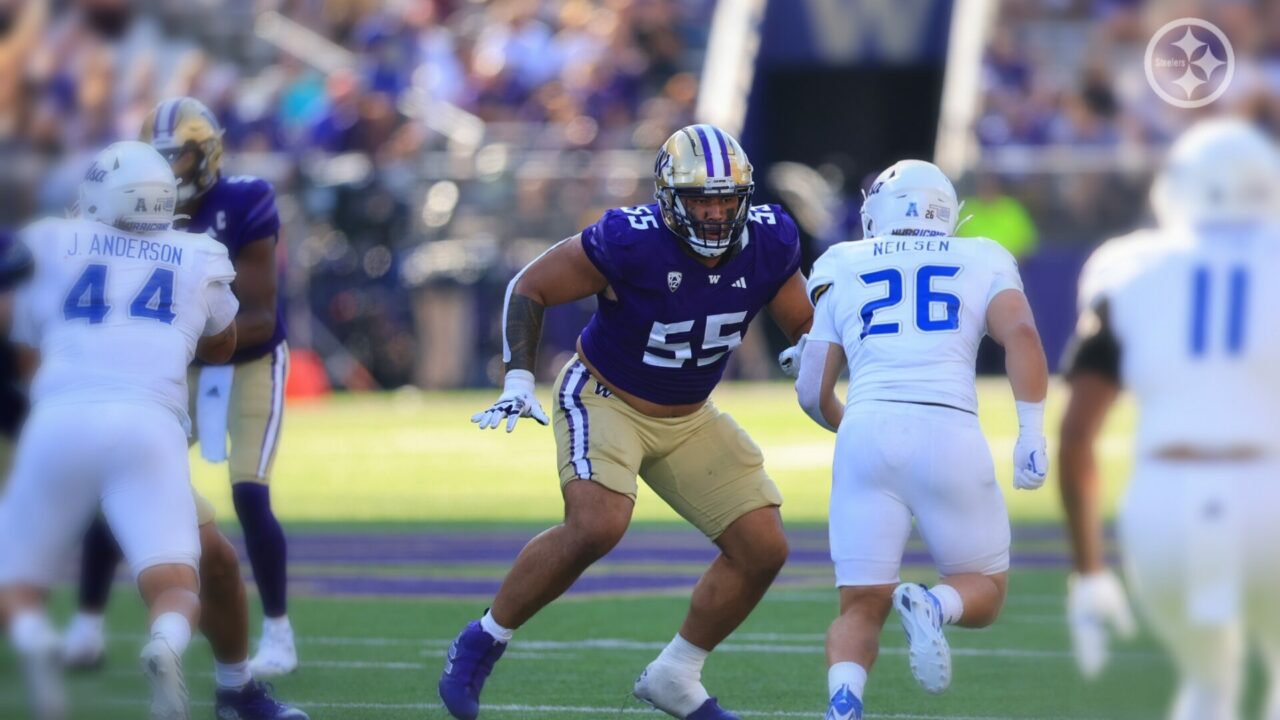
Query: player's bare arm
1095,599
1010,323
255,287
791,308
562,275
218,349
1092,395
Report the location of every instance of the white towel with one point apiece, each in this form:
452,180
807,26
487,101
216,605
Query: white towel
212,402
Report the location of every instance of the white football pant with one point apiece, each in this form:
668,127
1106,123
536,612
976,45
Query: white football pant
895,461
129,460
1201,547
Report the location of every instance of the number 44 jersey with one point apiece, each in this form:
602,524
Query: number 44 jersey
910,312
664,329
116,316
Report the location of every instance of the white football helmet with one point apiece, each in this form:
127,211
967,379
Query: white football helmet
1222,170
911,197
130,186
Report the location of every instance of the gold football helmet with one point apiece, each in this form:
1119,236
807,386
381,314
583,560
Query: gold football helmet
702,161
188,135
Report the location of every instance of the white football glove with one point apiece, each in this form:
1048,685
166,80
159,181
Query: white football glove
1030,452
517,401
789,359
1095,601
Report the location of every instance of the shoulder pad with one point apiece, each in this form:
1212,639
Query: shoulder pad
215,260
1115,261
829,267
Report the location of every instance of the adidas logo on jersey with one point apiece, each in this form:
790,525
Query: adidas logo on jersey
740,283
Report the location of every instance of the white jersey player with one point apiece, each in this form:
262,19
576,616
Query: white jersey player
117,307
906,309
1184,317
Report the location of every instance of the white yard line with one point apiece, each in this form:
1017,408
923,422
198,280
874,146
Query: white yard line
627,708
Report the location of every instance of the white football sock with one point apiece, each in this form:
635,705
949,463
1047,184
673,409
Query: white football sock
277,626
174,629
846,673
685,656
491,626
233,676
87,623
951,602
31,632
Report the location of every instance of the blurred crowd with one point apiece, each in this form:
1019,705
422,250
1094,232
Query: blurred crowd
417,146
1069,74
594,71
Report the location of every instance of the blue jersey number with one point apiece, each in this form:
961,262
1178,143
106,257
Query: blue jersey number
927,298
155,299
87,299
1237,295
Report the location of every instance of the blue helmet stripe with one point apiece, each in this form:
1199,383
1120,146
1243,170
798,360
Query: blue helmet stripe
164,119
171,124
706,149
724,151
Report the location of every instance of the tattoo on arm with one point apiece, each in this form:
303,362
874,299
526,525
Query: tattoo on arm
524,330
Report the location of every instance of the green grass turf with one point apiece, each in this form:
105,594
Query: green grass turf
380,659
415,456
411,461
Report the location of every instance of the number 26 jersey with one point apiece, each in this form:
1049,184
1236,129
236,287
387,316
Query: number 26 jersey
910,312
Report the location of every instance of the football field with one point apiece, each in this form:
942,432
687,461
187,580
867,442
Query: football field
403,519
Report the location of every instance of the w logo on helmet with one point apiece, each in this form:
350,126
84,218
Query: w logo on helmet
662,166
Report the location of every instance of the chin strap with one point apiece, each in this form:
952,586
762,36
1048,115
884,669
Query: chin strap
963,220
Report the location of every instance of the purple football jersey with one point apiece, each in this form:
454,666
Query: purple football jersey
668,335
237,211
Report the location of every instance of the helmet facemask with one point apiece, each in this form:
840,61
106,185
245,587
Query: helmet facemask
190,163
697,166
708,238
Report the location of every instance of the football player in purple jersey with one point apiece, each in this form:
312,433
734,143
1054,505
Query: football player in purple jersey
677,283
15,265
240,213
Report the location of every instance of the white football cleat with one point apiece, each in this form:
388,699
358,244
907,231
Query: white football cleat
677,694
277,654
929,653
84,647
163,668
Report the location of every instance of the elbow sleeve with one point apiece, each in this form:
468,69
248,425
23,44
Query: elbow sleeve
809,382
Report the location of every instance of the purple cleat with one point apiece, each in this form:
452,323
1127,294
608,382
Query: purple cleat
253,702
471,659
711,710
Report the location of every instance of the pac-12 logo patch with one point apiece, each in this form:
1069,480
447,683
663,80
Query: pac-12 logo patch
673,280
